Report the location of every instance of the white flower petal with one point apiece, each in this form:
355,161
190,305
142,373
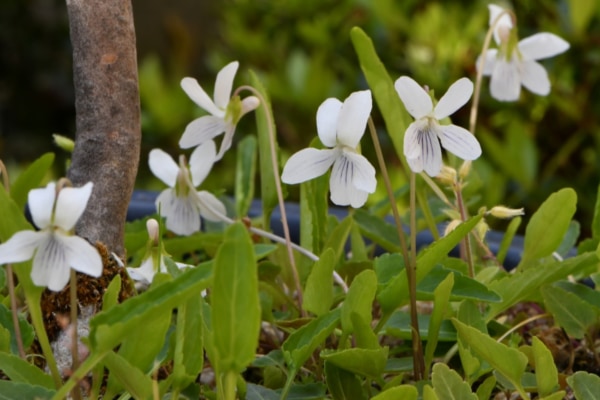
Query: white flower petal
363,173
195,92
459,141
224,83
431,152
542,45
181,213
201,161
504,22
81,255
353,117
415,164
415,98
490,61
308,164
210,207
226,142
412,145
535,78
21,246
163,166
327,120
71,204
50,268
343,191
249,103
505,84
201,130
41,205
457,95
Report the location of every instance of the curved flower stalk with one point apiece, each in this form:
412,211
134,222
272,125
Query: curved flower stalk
225,112
55,248
153,261
340,127
180,204
514,63
422,138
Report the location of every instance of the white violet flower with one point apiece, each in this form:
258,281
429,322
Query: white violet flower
54,248
225,112
340,127
515,63
181,205
423,136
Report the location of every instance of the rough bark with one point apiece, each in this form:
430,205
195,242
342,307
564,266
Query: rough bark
108,132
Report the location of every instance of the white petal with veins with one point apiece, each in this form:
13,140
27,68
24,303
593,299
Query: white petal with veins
201,130
195,92
327,120
308,164
353,117
457,96
163,167
71,204
224,84
415,98
41,204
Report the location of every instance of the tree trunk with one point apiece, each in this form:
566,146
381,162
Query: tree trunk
107,144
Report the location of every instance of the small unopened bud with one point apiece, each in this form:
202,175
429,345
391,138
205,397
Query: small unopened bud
64,142
505,212
481,229
447,175
153,230
464,169
451,226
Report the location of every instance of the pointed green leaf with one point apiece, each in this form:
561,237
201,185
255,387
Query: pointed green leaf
18,391
484,391
585,385
343,385
27,333
448,385
30,178
429,393
299,346
363,332
546,373
366,362
338,237
318,293
138,384
189,358
245,173
464,288
359,299
523,284
548,226
377,230
441,303
111,295
268,191
235,302
508,361
404,392
19,370
569,311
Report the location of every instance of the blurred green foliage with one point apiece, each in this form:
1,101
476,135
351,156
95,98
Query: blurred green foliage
302,52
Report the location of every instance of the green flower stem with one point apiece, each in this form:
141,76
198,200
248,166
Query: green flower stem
277,179
11,279
410,263
76,392
465,248
33,298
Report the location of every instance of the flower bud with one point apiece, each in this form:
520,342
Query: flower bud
464,169
153,230
505,212
447,175
451,226
64,142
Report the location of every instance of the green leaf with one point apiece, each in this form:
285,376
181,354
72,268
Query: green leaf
377,230
508,361
19,391
363,332
569,311
464,288
449,385
526,283
188,359
359,299
268,191
546,373
395,115
584,292
138,384
548,226
111,327
441,303
429,393
244,175
484,391
507,238
585,385
27,333
299,346
366,362
398,325
343,385
581,13
110,297
318,293
404,392
19,370
596,220
30,178
338,237
235,302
